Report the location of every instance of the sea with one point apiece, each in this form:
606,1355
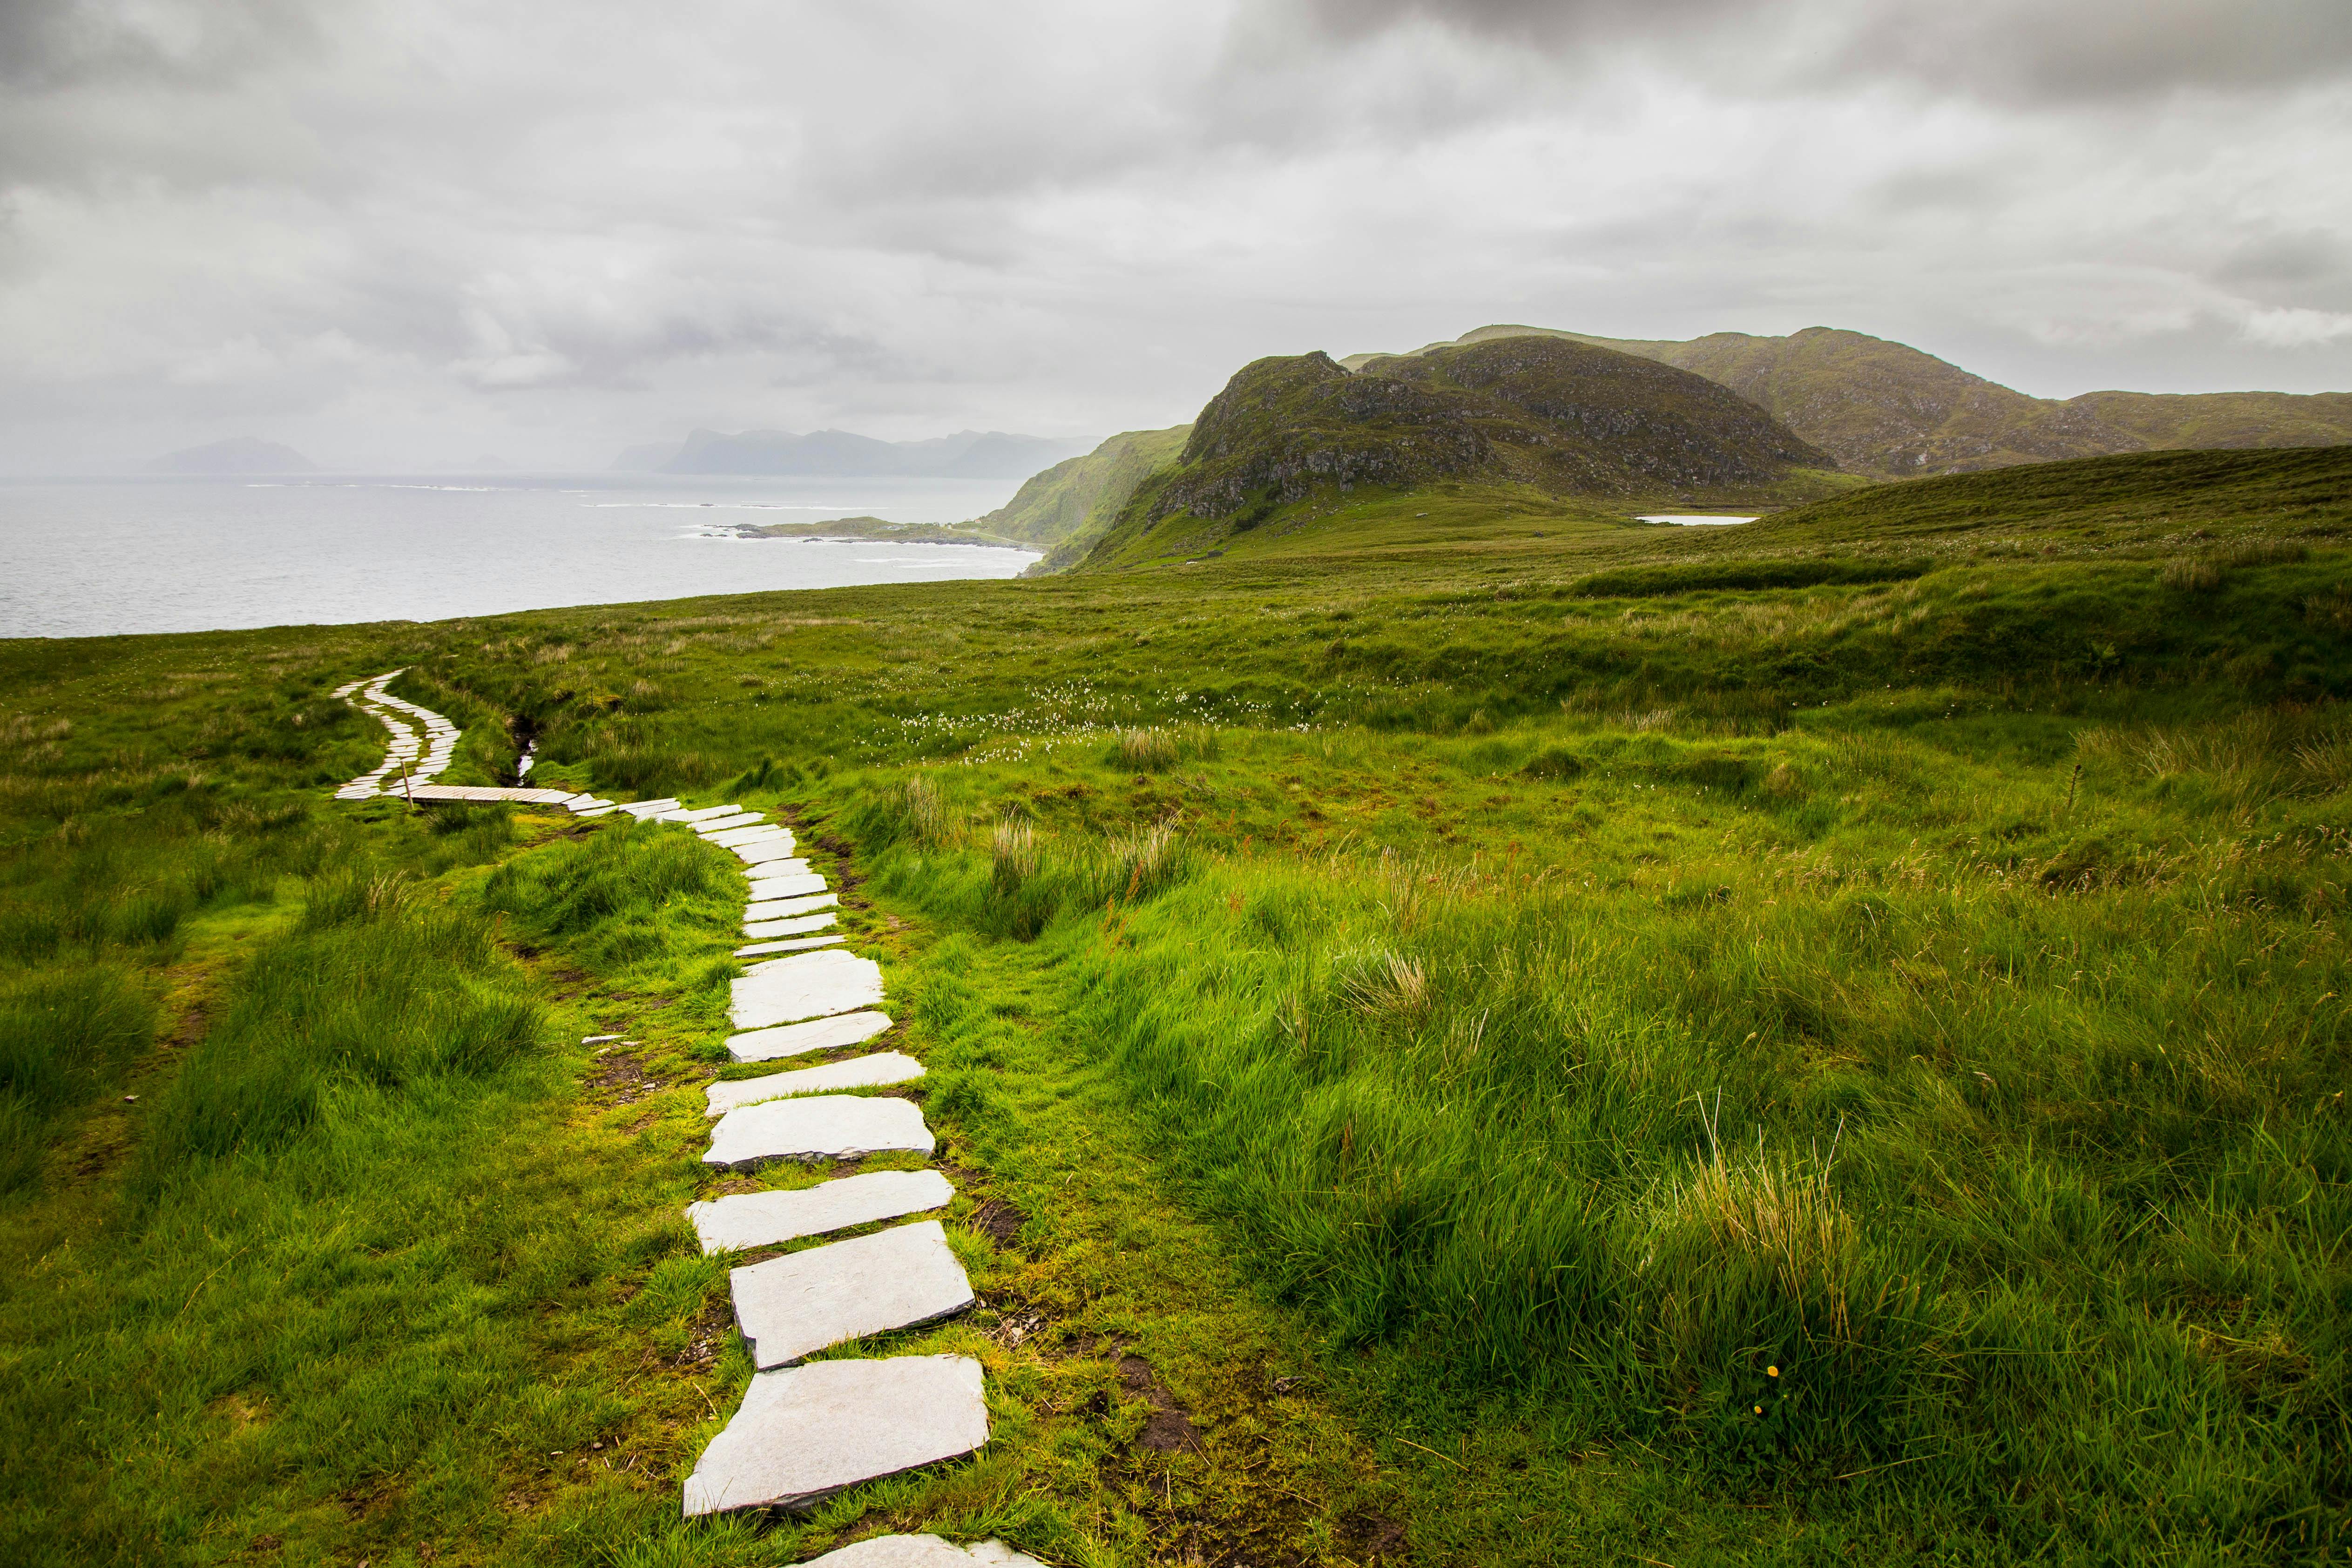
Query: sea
99,557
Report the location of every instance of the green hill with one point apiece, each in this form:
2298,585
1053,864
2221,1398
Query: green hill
1069,506
1544,419
1888,410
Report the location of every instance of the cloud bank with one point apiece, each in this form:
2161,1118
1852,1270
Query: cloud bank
383,230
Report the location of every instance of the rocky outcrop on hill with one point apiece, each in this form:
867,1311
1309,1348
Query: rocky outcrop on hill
1568,418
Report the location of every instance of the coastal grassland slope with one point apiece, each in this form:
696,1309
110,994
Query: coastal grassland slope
1078,497
1813,1042
1891,411
1854,1014
1552,418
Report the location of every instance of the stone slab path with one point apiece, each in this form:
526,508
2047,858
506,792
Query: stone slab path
805,985
798,1039
790,1308
878,1072
408,762
741,1220
805,1433
802,1433
818,1127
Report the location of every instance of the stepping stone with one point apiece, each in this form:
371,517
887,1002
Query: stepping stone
705,814
772,849
644,809
765,929
763,1219
799,1039
805,985
858,1072
775,871
922,1551
605,810
790,944
805,1434
791,1307
722,824
797,925
777,908
818,1127
735,836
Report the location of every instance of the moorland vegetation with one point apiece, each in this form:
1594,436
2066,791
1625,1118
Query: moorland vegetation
1547,1037
1888,410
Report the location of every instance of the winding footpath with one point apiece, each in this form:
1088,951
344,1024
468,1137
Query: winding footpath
805,1430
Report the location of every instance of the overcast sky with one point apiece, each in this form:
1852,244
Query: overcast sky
393,232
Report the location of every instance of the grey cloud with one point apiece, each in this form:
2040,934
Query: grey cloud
594,222
2093,51
2025,51
2306,256
54,44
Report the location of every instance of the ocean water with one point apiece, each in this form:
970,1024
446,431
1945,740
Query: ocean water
91,557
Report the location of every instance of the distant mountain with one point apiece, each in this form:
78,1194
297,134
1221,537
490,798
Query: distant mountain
1545,414
1888,410
239,455
842,454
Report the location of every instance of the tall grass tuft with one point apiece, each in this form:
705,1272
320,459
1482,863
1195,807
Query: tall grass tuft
375,990
65,1036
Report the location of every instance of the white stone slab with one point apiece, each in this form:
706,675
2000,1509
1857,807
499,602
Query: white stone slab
818,1126
858,1072
701,813
791,1307
805,985
791,925
803,1434
923,1551
643,809
762,908
725,824
799,1039
762,833
789,890
762,1219
775,871
605,810
761,853
789,944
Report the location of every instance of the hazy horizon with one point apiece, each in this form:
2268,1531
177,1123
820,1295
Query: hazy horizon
383,235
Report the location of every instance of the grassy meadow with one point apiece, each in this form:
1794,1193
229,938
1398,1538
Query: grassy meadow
1468,1030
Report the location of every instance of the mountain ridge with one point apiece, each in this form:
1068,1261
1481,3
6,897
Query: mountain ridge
1543,416
1891,411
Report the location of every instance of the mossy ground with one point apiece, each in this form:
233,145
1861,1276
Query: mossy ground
1300,943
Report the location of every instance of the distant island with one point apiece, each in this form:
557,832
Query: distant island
876,528
843,454
237,454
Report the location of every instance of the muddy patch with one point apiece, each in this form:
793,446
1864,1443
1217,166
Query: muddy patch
1168,1430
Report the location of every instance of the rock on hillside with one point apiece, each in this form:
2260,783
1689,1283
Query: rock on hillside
1889,410
1570,418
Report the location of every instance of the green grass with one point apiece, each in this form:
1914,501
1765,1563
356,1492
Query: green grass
1480,1004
